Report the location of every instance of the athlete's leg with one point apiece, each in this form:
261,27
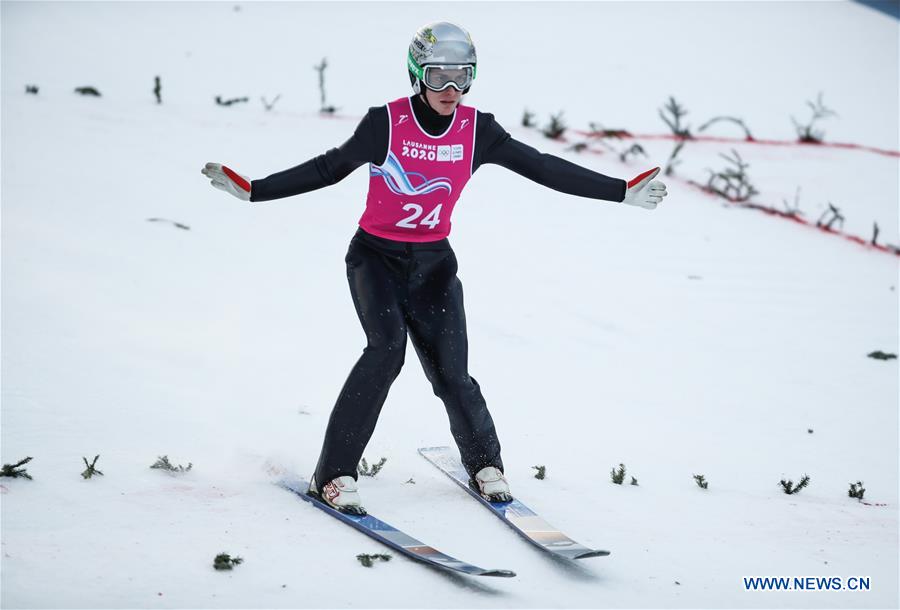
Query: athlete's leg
376,284
437,326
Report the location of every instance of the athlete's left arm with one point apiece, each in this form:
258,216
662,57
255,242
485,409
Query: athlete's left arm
494,145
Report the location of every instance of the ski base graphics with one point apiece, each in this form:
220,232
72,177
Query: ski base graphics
391,536
515,514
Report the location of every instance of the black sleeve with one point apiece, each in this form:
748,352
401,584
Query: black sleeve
494,145
368,144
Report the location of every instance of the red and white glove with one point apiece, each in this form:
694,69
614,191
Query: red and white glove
643,193
228,180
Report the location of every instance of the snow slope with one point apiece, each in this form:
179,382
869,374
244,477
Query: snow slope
697,338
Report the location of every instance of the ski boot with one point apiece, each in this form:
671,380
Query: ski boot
340,494
491,484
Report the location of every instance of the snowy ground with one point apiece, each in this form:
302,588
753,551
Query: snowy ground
697,338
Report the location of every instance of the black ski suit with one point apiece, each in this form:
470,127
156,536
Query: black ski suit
411,289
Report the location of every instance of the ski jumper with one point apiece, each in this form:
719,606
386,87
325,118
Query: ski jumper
402,275
401,269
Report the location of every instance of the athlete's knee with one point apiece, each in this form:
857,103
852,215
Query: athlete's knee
389,349
452,386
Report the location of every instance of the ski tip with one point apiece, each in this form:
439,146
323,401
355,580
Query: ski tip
424,450
587,554
501,573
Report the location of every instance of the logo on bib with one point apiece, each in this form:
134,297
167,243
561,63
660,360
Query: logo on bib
452,152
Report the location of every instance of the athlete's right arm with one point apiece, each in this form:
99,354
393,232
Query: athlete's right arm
323,170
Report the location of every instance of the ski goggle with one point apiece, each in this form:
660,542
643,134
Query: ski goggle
438,78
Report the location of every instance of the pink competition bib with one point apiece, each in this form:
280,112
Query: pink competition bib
411,196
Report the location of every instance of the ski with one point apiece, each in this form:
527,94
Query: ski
515,514
390,536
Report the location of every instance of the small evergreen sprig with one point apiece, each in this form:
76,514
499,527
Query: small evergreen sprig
13,470
528,119
701,481
601,132
87,91
163,464
681,132
267,104
177,225
677,111
368,560
556,127
91,468
793,210
790,488
323,108
367,470
633,151
747,135
880,355
806,133
618,474
836,217
856,490
157,89
541,472
236,100
224,561
732,183
633,481
673,158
